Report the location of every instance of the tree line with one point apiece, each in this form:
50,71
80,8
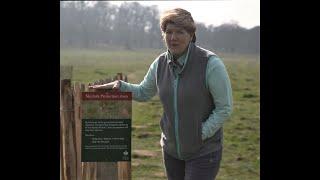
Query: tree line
132,25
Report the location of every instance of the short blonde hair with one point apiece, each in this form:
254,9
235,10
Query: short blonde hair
179,17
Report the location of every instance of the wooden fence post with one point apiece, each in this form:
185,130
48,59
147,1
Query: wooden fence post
77,118
67,131
124,170
62,147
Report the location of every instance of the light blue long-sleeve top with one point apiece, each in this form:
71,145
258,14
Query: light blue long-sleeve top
217,80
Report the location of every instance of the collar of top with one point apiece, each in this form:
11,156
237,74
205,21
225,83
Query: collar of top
181,60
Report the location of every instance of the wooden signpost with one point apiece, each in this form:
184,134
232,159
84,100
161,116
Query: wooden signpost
106,121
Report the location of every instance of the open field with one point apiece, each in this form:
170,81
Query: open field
241,154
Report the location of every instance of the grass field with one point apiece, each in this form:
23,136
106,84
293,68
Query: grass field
241,154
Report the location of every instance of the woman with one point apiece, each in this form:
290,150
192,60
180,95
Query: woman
196,95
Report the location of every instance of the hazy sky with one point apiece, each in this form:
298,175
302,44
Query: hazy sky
245,12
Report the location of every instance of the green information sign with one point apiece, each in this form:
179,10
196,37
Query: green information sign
106,140
106,127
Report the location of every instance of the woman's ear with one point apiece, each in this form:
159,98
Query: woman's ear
193,38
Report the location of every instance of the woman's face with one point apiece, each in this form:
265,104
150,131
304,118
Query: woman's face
177,39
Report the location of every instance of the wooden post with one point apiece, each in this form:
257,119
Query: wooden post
62,147
62,160
107,171
124,170
119,76
67,131
77,118
93,170
85,171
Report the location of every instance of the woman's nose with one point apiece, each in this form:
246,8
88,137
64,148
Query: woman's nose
173,36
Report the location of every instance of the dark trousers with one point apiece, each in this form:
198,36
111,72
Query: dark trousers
203,168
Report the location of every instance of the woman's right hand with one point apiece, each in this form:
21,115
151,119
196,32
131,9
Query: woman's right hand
111,85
